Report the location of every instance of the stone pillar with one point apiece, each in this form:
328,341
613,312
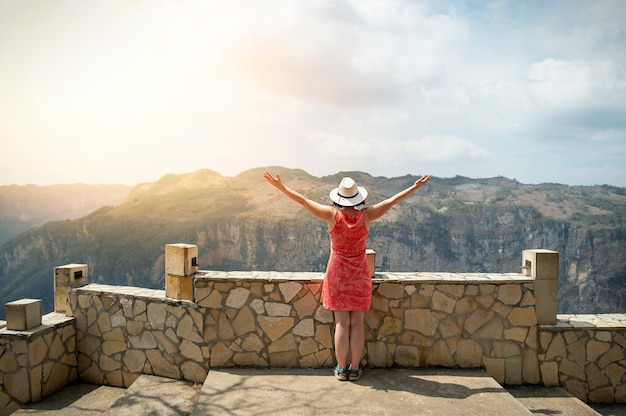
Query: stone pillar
23,314
181,262
543,266
65,278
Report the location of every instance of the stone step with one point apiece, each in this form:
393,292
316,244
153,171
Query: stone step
74,400
152,395
399,392
551,401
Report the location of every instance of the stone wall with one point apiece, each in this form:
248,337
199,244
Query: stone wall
504,323
586,354
123,332
276,320
37,362
268,319
419,319
265,319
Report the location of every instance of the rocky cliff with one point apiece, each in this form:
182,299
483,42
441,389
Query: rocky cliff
242,223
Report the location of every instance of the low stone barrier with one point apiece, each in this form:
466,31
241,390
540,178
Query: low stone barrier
505,323
416,320
36,362
265,319
123,332
270,319
586,354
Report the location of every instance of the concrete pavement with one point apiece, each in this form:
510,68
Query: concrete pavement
299,392
397,392
152,395
74,400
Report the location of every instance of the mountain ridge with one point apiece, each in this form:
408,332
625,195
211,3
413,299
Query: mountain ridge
242,223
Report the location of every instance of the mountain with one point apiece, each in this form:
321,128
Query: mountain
24,207
242,223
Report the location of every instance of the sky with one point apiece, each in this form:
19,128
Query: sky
126,91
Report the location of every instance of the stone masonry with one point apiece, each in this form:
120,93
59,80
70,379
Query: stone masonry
270,319
504,323
123,332
416,320
36,362
586,354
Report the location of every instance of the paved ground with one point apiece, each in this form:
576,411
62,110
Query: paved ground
551,401
613,409
236,392
558,401
150,395
398,392
74,400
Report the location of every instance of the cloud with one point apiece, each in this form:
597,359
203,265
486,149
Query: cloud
577,99
358,153
445,149
325,86
347,53
329,77
560,83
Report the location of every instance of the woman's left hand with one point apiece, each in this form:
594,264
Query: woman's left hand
275,182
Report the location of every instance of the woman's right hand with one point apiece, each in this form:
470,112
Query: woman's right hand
422,181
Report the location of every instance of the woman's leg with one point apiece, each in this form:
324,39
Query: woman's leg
357,337
342,337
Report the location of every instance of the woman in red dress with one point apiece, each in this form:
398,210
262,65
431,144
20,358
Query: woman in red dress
347,289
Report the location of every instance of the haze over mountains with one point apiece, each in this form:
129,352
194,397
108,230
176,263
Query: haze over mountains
24,207
242,223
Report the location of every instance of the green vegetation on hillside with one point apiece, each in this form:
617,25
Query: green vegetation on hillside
454,225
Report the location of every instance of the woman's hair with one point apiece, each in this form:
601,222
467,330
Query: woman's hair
357,207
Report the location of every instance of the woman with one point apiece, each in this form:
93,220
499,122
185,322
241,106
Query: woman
347,288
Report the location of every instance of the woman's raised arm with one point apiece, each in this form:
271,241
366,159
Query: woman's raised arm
321,211
378,210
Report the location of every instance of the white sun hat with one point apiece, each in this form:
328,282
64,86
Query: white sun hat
348,194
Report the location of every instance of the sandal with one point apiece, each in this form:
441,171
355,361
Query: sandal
340,373
354,374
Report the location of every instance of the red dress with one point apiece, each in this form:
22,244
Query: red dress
347,282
